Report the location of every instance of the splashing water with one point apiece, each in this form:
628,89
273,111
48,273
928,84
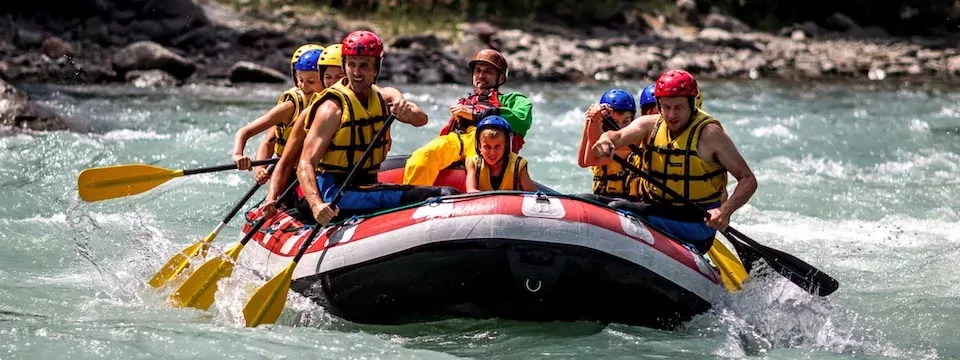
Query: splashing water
854,180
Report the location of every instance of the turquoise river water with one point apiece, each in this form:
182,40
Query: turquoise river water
858,180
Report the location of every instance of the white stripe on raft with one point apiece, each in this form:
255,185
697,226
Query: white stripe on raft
494,226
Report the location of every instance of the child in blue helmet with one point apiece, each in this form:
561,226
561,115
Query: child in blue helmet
610,181
648,102
496,166
291,103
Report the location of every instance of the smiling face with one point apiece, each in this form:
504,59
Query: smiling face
332,74
493,144
485,76
361,71
676,112
309,82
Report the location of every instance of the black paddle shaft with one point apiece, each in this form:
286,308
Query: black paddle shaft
798,271
269,161
346,183
246,197
263,219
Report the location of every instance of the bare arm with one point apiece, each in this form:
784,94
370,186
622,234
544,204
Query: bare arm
326,122
266,146
714,141
406,111
526,184
290,156
273,117
471,185
591,132
638,130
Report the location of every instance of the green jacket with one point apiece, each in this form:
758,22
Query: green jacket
517,109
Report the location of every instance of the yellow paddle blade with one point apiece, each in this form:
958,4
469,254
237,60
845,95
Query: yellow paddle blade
266,304
181,261
110,182
199,289
732,271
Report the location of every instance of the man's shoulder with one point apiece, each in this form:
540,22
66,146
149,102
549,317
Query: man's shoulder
648,120
389,92
513,95
712,130
328,104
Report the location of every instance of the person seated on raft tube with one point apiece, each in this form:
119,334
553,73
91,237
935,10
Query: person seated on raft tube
497,166
456,140
648,101
610,180
342,125
330,68
686,149
303,67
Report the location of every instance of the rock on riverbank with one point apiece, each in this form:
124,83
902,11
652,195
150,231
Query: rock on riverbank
182,41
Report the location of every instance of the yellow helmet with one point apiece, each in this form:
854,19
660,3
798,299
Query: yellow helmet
300,50
699,99
331,56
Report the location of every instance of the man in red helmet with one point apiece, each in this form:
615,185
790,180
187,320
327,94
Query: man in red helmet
457,138
341,127
686,149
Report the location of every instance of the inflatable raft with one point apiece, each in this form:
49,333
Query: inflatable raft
511,255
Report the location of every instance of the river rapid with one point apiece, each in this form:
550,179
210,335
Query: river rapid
860,180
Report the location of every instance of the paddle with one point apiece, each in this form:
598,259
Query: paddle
181,260
108,182
797,271
732,272
266,304
199,289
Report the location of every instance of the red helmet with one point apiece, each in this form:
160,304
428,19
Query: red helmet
362,43
675,83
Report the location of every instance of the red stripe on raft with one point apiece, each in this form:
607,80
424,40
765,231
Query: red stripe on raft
575,211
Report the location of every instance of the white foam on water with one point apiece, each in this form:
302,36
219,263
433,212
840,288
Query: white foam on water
771,316
951,112
557,157
919,126
231,179
910,167
777,131
805,170
573,119
16,139
127,134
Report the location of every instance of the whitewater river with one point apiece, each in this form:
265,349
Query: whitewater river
860,181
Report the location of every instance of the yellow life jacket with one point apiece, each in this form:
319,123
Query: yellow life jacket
614,181
314,98
358,126
509,178
676,163
282,130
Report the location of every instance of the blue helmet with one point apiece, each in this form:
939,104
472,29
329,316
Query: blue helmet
647,97
619,100
308,61
497,122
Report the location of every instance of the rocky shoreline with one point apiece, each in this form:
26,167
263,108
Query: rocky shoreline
172,42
